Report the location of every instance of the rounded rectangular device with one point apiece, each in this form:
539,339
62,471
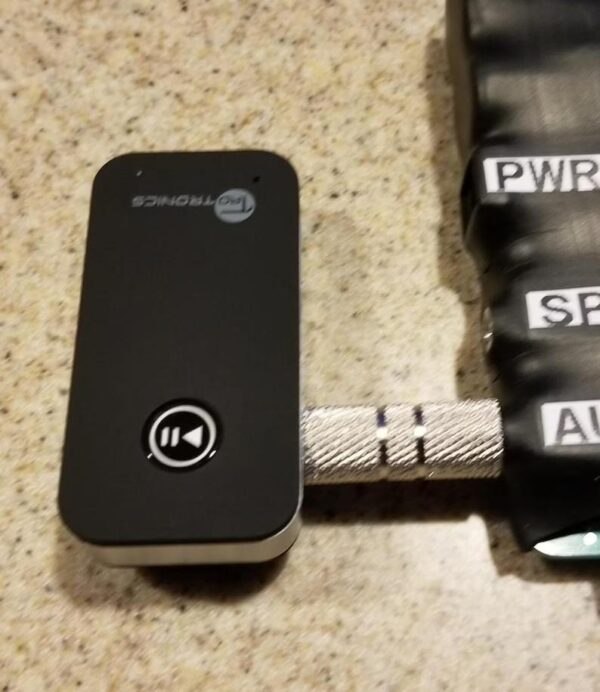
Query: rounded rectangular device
182,441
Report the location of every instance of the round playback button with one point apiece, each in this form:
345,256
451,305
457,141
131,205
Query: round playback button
181,435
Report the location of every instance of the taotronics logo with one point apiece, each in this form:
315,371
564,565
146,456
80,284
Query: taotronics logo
232,206
172,201
526,174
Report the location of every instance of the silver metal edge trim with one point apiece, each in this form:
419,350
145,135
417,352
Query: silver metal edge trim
200,553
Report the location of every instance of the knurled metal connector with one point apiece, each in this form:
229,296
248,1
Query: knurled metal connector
365,444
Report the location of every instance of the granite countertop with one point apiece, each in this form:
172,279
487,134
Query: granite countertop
401,587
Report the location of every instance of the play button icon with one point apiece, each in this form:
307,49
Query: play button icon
181,435
194,437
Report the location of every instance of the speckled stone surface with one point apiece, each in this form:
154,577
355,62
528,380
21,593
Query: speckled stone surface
399,588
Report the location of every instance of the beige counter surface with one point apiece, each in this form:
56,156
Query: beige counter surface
416,587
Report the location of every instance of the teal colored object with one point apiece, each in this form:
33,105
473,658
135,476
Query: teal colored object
575,546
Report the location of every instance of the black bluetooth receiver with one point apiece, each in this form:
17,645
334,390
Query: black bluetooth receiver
182,440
